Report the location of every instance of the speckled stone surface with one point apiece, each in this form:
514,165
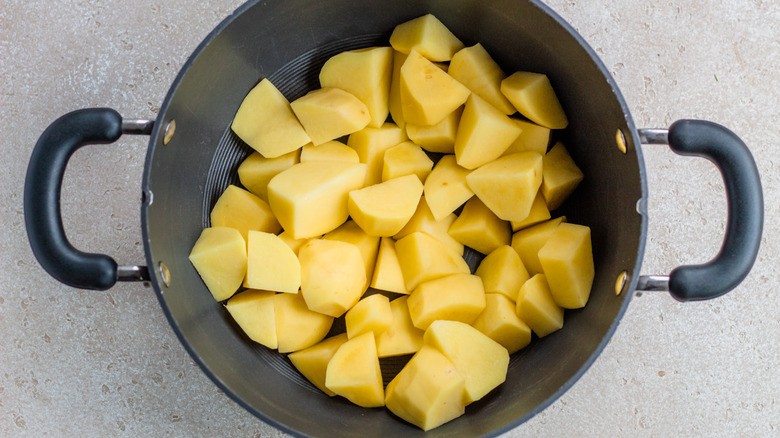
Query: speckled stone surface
78,363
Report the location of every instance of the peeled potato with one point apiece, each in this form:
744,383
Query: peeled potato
508,185
383,209
428,94
427,35
534,97
329,113
219,256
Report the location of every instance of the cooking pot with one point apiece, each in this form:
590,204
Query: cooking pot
193,155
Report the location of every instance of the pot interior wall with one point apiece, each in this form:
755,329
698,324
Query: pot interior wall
288,41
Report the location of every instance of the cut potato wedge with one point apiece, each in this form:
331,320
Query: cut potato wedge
329,113
219,256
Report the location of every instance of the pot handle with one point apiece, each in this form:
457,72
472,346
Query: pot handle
42,188
745,203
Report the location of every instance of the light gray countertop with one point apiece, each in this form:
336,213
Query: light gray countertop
81,363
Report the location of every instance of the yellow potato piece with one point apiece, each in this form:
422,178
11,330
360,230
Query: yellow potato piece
532,138
536,307
424,258
560,176
474,68
446,188
310,199
478,228
428,94
534,97
256,171
439,137
567,262
456,297
350,232
294,244
329,113
394,100
508,185
383,209
239,209
329,151
371,145
423,221
428,392
387,274
402,337
502,272
265,122
406,159
371,314
426,35
332,276
481,361
312,362
484,133
297,327
528,241
353,372
272,265
499,321
365,73
538,213
253,311
219,256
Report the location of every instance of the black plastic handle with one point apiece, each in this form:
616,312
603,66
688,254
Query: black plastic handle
42,189
745,210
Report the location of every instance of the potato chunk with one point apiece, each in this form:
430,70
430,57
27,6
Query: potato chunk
353,372
484,133
508,185
266,122
297,327
329,113
253,311
456,297
424,258
272,265
538,213
426,35
474,68
312,362
406,159
532,138
394,100
310,199
371,145
499,321
528,241
439,137
536,307
567,262
256,171
428,94
478,228
424,221
219,256
534,97
371,314
383,209
239,209
332,276
350,232
481,361
329,151
560,176
428,392
402,337
365,73
502,272
387,272
446,188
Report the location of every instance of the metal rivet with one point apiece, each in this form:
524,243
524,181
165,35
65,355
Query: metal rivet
170,129
620,138
620,284
165,274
